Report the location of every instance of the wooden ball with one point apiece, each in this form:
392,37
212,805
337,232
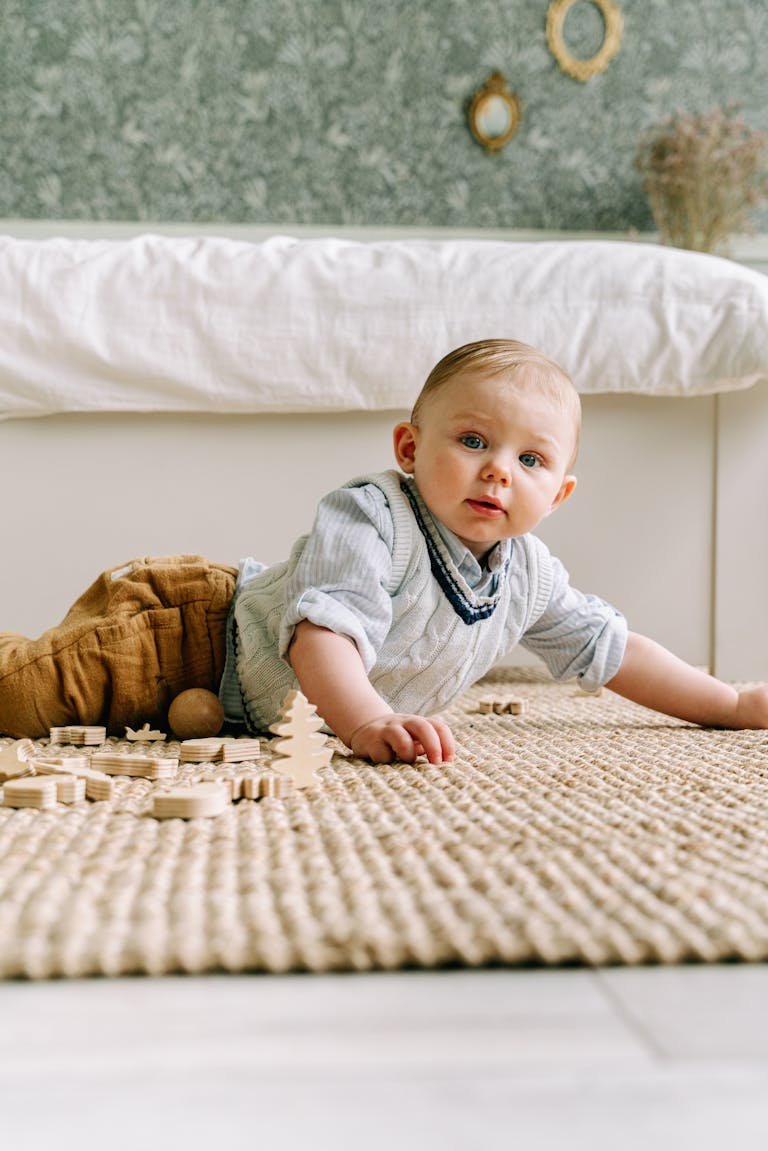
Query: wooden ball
195,714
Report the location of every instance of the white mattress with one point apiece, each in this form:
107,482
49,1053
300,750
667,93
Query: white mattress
168,324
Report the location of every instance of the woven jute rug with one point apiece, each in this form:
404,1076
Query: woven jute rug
584,831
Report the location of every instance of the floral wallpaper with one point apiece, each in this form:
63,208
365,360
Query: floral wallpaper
349,111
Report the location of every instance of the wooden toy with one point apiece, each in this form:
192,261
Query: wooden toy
239,750
238,786
195,713
249,786
36,791
98,785
219,750
17,751
200,799
69,788
199,750
79,734
501,706
233,783
253,786
15,760
277,786
302,747
144,735
58,764
140,766
19,770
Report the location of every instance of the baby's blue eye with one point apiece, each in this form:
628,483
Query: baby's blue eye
473,442
529,460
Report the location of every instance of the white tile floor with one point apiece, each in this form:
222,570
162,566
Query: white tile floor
654,1058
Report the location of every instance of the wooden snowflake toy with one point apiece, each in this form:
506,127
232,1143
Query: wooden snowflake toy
303,746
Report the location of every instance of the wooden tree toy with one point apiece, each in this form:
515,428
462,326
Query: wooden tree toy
303,745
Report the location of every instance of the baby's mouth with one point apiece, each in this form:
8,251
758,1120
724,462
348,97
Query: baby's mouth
486,507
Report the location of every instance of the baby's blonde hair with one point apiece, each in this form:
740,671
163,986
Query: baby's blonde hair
517,362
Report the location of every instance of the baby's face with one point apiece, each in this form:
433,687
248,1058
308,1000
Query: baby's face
489,457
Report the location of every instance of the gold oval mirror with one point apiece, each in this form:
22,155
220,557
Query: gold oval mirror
494,114
584,70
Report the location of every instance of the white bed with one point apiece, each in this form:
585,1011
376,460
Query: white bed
197,393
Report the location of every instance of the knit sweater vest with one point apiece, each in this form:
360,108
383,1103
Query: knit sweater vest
442,638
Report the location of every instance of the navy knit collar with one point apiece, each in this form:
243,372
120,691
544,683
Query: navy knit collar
468,606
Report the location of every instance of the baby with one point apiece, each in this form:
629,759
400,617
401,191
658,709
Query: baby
411,585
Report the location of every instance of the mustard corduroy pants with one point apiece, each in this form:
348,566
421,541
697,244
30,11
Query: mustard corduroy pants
140,634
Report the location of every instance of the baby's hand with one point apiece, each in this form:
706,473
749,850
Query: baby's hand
403,737
752,708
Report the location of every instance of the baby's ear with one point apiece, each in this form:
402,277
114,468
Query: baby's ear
565,492
405,439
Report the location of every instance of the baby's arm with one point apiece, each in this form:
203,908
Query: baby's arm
652,676
332,676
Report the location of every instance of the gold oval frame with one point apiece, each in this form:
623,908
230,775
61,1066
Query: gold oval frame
495,87
584,70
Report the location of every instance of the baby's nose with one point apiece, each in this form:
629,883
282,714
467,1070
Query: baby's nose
497,472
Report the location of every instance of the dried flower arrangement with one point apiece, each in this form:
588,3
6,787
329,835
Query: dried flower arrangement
703,175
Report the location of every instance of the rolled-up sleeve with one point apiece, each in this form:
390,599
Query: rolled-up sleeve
577,635
340,580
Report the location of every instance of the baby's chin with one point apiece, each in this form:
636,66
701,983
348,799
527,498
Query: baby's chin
479,547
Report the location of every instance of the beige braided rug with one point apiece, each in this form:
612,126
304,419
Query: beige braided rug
585,831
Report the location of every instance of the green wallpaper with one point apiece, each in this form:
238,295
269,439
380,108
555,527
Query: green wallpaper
349,111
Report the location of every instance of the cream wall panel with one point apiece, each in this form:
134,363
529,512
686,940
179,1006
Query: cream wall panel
638,528
741,602
89,492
